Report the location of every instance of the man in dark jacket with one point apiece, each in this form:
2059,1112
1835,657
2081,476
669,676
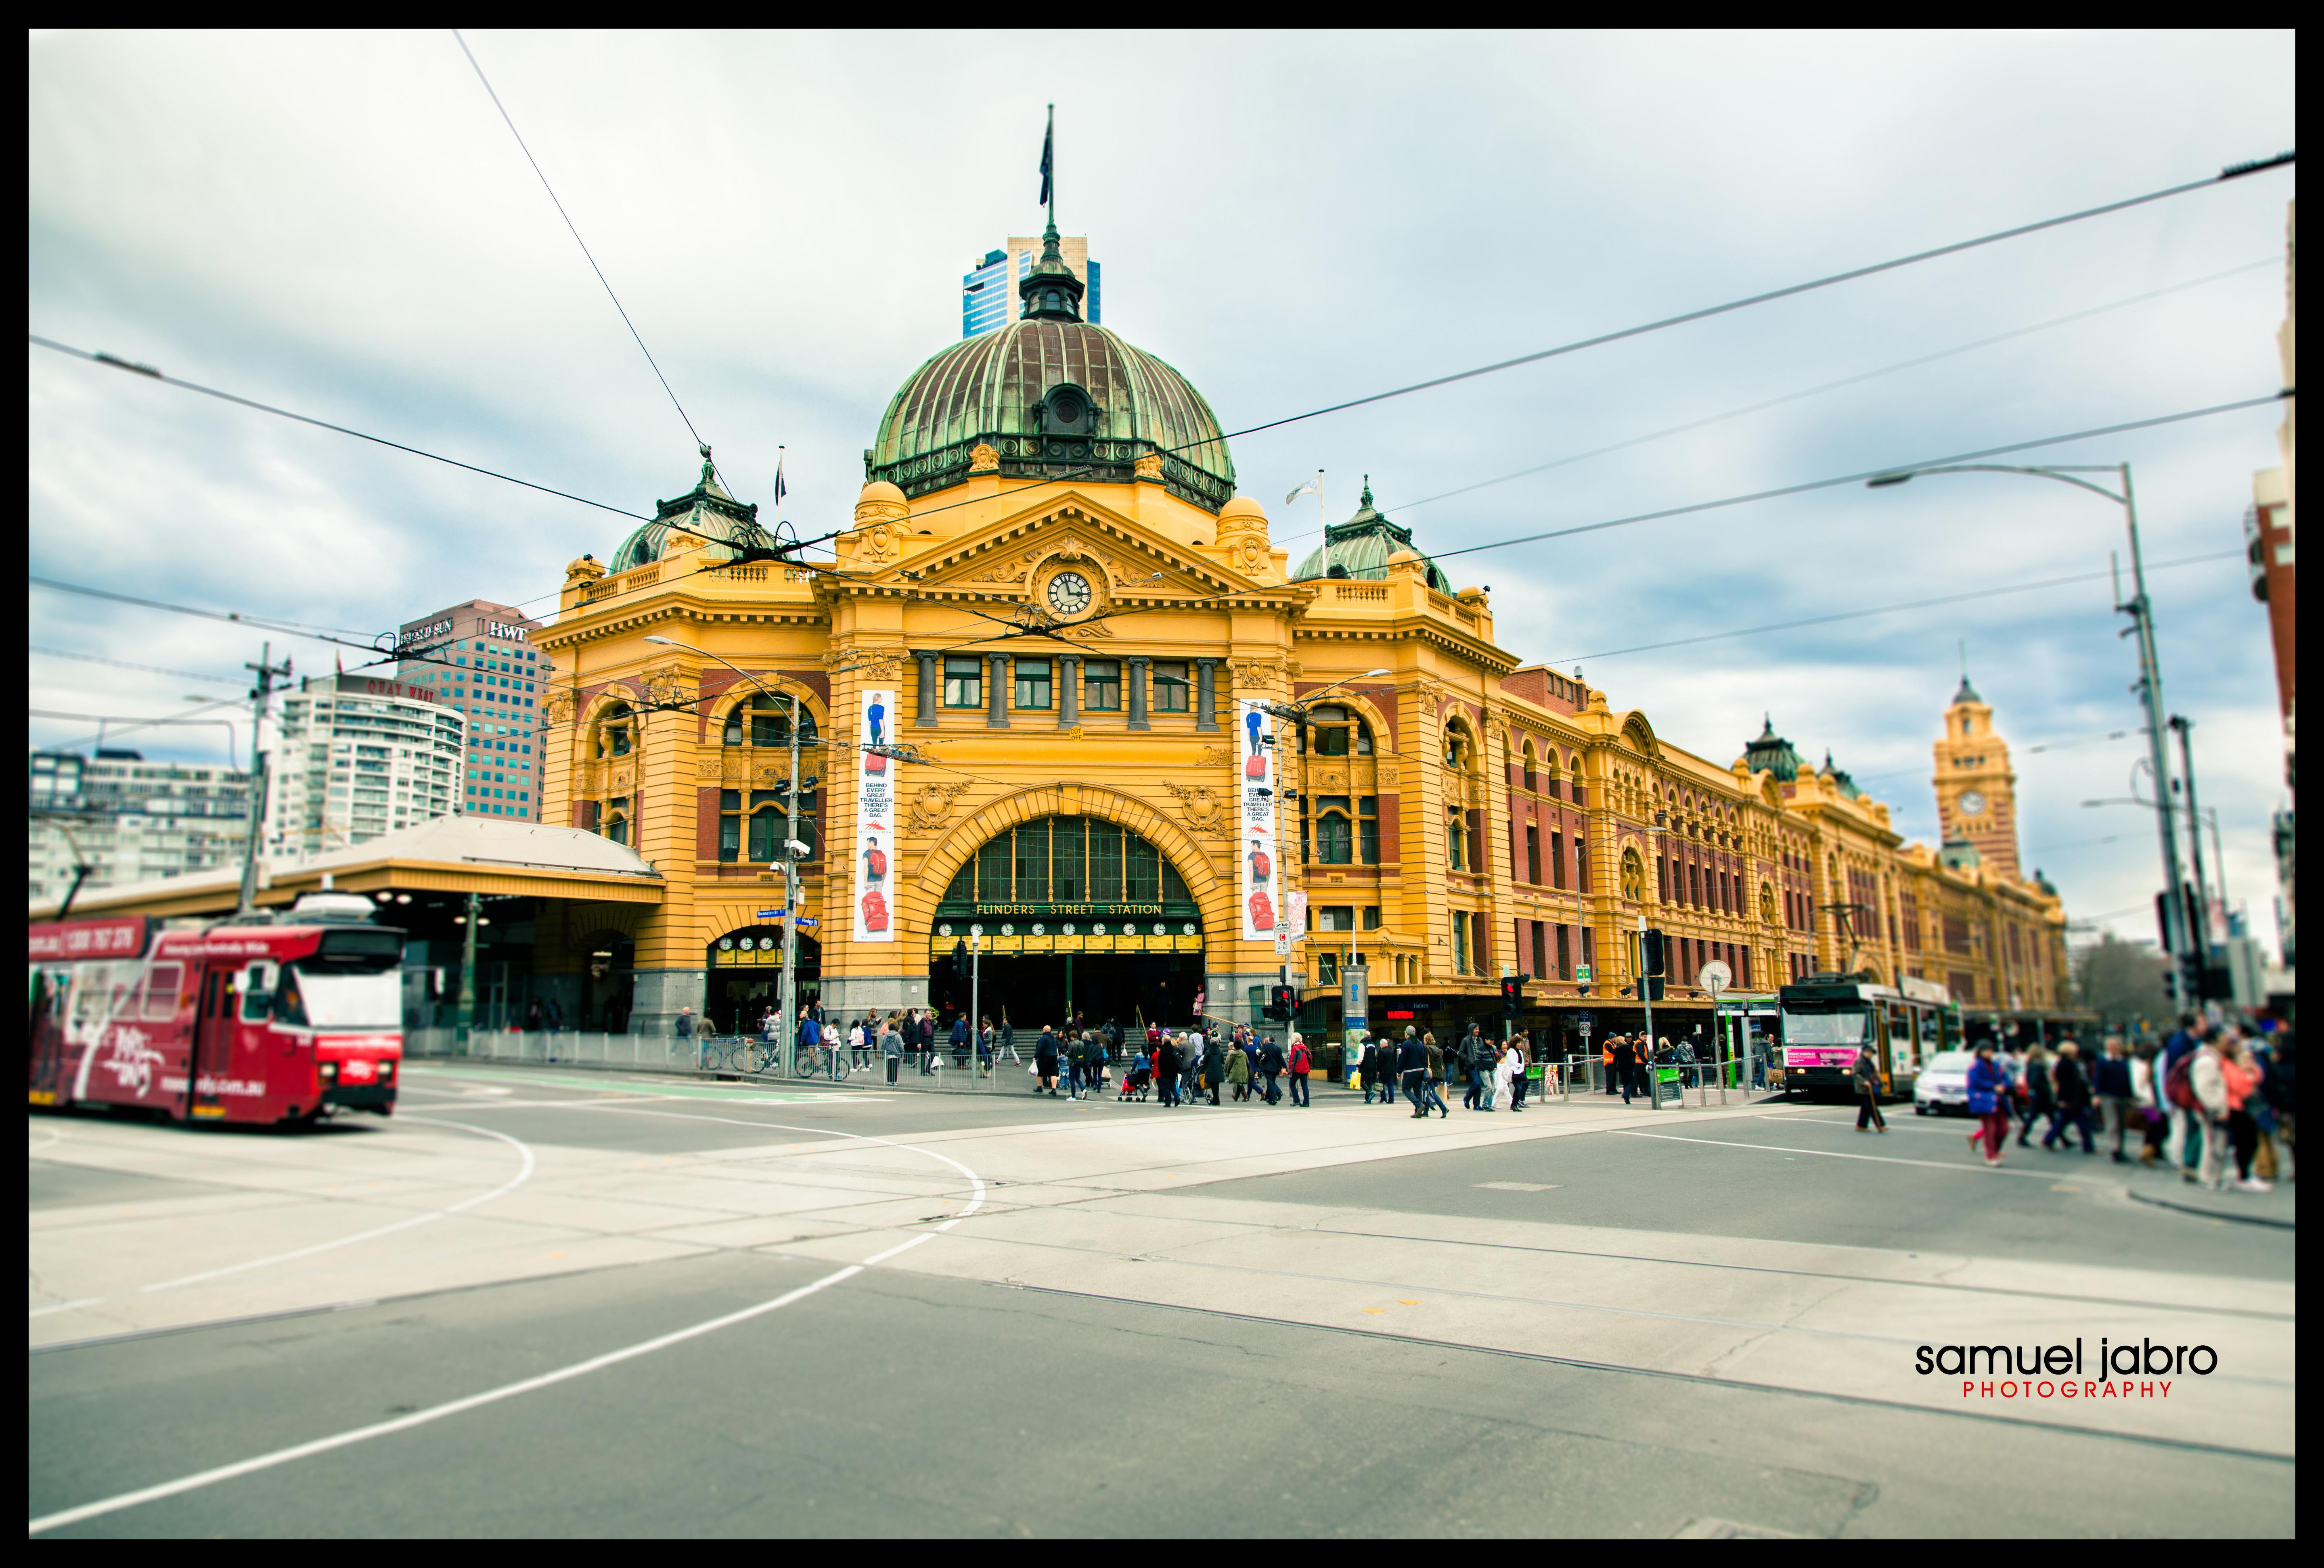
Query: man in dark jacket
2072,1092
2110,1077
1214,1063
1865,1075
1270,1062
1045,1063
1626,1065
1412,1066
1165,1072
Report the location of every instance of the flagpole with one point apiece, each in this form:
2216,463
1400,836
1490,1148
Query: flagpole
1323,514
1049,145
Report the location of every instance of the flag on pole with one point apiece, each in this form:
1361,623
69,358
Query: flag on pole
781,490
1048,151
1307,488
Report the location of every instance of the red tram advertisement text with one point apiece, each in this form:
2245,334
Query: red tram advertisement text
282,1020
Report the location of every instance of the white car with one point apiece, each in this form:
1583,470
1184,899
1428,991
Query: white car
1944,1084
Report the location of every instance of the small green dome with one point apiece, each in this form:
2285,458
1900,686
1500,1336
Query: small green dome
1361,548
1771,753
707,510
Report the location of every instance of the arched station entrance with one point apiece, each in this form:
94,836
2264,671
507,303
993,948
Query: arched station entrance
1077,913
746,977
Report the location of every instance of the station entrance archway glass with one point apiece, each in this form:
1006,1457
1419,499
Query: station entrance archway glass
1078,914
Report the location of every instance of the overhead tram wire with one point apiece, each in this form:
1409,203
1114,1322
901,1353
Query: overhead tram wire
1860,377
138,369
1896,609
148,669
576,232
2231,172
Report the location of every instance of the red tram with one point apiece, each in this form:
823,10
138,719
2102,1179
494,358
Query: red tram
282,1019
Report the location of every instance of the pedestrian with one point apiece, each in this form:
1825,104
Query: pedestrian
1271,1063
855,1043
1302,1063
1623,1054
1505,1074
685,1025
2039,1098
2279,1089
1476,1096
1045,1063
1165,1072
1865,1077
1522,1045
810,1036
2207,1076
891,1048
2242,1071
1989,1101
532,1017
2181,1148
1617,1082
2110,1080
2154,1114
1368,1069
1214,1065
2071,1095
1238,1070
1412,1066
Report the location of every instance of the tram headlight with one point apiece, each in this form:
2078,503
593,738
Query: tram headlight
386,1071
330,1071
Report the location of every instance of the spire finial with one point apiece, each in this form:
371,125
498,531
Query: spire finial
1368,490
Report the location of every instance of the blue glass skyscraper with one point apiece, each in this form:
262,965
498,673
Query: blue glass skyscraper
988,295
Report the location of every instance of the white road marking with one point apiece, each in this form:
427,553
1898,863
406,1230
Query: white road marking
1833,1154
130,1499
524,1173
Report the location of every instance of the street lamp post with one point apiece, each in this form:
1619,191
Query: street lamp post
790,984
1296,712
2141,610
2202,912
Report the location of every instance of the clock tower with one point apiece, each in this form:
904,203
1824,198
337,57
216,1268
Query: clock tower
1976,793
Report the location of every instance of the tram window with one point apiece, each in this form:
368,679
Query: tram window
288,1005
257,990
161,991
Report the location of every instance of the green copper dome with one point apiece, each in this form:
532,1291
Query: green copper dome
1360,547
1054,397
1771,753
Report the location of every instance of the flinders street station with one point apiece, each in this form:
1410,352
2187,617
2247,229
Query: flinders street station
1024,687
1074,736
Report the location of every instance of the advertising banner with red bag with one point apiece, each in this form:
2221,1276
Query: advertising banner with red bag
1262,885
875,820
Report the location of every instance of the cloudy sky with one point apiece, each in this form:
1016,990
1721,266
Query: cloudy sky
342,224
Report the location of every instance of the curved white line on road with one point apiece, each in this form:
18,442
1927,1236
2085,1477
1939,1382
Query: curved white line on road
524,1174
280,1456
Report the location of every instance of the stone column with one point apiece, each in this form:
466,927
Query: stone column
925,715
1206,693
996,692
1069,690
1136,667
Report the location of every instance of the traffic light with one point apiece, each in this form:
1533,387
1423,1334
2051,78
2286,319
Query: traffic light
1513,994
1654,951
1282,1001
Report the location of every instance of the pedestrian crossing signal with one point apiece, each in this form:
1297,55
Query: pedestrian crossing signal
1513,994
1654,950
1282,1001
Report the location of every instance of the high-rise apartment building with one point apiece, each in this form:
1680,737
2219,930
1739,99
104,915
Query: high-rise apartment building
360,756
479,659
129,819
988,295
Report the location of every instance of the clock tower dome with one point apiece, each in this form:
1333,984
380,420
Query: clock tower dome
1976,791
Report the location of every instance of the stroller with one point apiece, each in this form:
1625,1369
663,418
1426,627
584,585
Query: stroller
1137,1079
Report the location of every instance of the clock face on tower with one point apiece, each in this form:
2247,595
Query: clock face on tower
1069,593
1972,803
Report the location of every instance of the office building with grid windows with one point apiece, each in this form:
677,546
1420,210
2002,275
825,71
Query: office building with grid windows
988,293
478,657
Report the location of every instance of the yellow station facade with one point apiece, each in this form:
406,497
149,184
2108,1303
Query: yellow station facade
1049,606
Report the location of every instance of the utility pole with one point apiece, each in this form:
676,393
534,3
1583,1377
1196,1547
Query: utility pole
2141,610
790,894
466,1018
1647,987
2200,915
266,672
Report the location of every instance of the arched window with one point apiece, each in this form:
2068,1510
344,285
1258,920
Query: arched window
617,819
1335,839
1456,839
615,730
1460,748
1333,732
764,720
1531,781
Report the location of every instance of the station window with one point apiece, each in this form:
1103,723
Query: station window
963,683
1101,686
1170,687
1334,834
1032,683
1367,834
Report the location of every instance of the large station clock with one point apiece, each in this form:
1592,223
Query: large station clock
1069,593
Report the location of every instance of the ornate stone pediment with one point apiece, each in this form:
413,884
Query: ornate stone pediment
931,807
1200,805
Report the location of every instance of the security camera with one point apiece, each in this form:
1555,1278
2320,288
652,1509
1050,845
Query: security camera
797,850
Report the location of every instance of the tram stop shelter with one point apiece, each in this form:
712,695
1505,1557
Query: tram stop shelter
557,911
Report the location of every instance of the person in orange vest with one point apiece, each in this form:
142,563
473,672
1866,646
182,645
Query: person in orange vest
1612,1087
